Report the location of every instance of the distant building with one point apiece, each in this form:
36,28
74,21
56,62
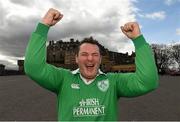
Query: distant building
21,65
2,69
5,72
62,54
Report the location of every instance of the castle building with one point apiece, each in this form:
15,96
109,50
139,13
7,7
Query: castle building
62,54
2,69
21,65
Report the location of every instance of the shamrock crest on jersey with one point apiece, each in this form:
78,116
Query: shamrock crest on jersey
103,85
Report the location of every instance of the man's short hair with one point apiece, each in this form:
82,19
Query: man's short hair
89,40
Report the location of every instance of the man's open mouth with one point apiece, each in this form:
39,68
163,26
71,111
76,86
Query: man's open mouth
89,66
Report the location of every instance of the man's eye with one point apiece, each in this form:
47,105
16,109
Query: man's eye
95,54
84,54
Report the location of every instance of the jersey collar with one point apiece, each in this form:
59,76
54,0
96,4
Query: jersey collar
77,71
84,80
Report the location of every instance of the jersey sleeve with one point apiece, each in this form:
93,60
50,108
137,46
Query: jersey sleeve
46,75
145,78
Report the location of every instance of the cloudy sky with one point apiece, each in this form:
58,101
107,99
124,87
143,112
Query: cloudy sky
159,21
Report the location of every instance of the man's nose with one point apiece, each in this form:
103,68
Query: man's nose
90,57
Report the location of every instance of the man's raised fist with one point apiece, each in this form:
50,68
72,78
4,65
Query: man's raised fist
52,17
131,30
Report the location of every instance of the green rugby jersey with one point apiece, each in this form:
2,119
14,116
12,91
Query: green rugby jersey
98,100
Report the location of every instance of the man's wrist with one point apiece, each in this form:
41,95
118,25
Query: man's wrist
42,29
136,37
45,22
139,41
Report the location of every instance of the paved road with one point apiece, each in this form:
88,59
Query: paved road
22,99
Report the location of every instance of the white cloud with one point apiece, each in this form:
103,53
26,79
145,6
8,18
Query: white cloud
82,18
9,61
171,2
160,15
178,31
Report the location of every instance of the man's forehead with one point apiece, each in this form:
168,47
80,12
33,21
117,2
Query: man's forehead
88,46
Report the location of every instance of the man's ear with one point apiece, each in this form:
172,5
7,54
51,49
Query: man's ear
76,57
100,58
